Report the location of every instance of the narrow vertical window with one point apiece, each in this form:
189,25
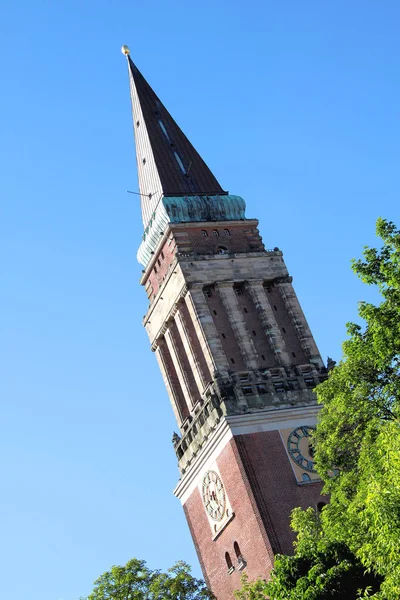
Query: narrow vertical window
215,233
161,124
204,233
227,232
229,563
180,163
237,550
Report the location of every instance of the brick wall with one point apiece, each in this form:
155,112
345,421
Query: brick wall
246,529
160,267
262,491
274,485
224,329
207,238
265,354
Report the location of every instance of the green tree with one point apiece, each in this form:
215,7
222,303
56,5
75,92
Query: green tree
135,581
357,537
358,435
320,568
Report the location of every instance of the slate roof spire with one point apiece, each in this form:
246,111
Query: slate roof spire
168,164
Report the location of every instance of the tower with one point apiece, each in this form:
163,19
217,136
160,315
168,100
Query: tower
236,353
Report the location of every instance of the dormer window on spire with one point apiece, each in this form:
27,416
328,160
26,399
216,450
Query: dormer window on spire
180,163
165,132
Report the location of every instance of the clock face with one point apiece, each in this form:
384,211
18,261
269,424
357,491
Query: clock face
214,495
300,447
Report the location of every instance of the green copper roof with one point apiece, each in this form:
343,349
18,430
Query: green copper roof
187,209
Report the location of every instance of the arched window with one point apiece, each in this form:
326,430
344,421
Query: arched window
215,233
229,563
237,550
241,561
227,232
320,506
222,250
305,477
204,233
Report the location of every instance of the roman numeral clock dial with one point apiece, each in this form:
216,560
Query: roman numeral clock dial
301,449
214,497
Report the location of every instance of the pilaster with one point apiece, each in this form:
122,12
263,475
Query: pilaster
181,363
187,346
169,375
206,330
302,328
276,341
246,346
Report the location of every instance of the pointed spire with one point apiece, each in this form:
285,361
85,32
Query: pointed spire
168,164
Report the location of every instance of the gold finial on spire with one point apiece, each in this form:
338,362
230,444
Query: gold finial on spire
125,50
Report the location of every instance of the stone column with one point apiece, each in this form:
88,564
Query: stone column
190,344
238,323
296,314
181,364
169,375
206,331
271,328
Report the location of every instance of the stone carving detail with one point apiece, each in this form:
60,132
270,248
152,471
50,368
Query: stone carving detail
330,363
175,439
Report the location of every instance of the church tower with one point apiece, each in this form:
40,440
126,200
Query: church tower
235,350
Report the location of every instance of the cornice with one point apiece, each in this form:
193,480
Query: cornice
231,426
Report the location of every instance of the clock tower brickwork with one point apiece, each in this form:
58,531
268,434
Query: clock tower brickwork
235,350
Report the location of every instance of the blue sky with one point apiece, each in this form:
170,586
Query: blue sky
294,106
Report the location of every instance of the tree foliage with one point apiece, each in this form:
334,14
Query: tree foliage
358,435
320,568
135,581
357,537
